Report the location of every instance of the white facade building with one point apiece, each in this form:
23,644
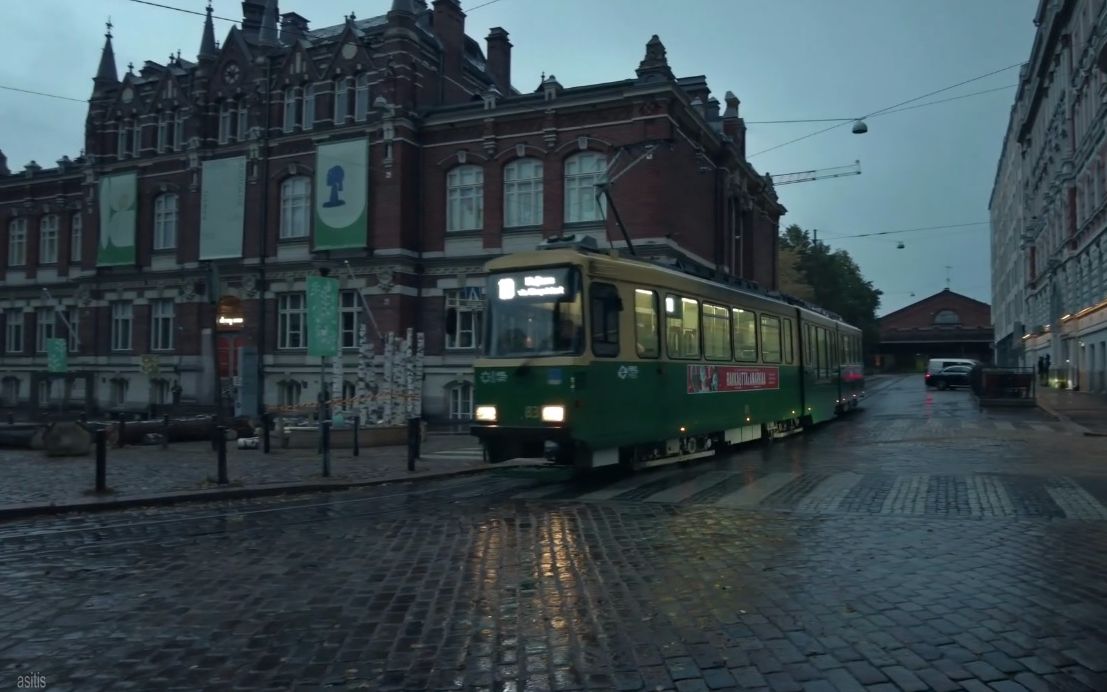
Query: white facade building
1049,204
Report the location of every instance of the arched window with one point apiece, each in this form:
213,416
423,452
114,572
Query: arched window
288,392
165,221
523,193
465,198
947,318
295,207
349,391
461,401
582,172
10,391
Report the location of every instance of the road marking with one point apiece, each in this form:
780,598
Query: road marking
1042,427
969,425
992,496
752,494
1074,501
679,493
907,496
1003,425
829,494
619,487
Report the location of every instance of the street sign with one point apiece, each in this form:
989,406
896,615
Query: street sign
322,310
57,355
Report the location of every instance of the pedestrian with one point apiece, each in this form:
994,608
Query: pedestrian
1041,370
1048,364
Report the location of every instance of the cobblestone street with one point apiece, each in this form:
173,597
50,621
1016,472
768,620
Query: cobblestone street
920,544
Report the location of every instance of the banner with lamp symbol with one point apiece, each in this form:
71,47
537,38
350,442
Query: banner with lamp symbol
341,195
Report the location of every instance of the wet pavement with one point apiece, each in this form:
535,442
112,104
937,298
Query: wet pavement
920,544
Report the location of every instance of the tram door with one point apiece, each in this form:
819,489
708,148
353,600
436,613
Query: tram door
658,382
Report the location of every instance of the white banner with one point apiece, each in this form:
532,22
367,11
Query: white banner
222,208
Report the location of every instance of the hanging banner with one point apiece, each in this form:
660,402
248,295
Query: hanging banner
322,313
118,196
341,195
222,208
57,355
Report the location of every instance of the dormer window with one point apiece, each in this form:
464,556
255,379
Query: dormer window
123,142
167,131
342,89
293,98
298,63
361,98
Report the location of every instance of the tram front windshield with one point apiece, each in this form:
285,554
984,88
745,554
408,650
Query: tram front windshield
535,313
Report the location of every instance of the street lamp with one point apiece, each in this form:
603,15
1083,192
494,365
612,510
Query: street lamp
263,249
859,127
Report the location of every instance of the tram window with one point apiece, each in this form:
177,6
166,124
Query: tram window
604,306
682,326
770,339
745,335
716,332
645,324
821,356
788,356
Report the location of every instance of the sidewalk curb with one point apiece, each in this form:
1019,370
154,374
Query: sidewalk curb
213,494
1076,427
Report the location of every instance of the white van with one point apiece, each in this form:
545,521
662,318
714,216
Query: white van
935,365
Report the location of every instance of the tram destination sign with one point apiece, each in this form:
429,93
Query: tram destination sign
705,379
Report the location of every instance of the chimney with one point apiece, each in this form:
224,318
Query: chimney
449,27
733,125
499,58
4,170
293,27
252,13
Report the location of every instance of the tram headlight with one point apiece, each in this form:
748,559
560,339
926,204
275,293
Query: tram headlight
553,414
486,414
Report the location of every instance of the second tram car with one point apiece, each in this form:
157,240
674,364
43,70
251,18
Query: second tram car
592,360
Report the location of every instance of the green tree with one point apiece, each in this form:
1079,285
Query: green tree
833,279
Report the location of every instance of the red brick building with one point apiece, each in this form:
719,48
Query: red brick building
459,166
946,324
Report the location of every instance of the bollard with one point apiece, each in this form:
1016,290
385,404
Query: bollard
214,428
11,419
357,445
325,443
413,430
265,432
122,432
101,462
221,448
165,432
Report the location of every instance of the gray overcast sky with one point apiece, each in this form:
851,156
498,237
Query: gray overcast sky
785,59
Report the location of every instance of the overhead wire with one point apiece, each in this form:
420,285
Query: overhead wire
909,230
897,110
889,108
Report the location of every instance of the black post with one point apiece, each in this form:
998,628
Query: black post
413,430
11,419
357,446
326,442
165,431
122,431
265,432
101,462
221,448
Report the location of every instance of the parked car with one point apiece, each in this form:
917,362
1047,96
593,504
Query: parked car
935,365
953,376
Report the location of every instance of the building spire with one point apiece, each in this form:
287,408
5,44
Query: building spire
207,41
106,74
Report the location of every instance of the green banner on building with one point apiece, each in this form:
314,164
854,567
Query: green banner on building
118,202
322,314
222,208
57,355
341,195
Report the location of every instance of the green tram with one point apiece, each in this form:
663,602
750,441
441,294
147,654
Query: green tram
592,360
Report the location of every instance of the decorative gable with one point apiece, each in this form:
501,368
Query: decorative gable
349,56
